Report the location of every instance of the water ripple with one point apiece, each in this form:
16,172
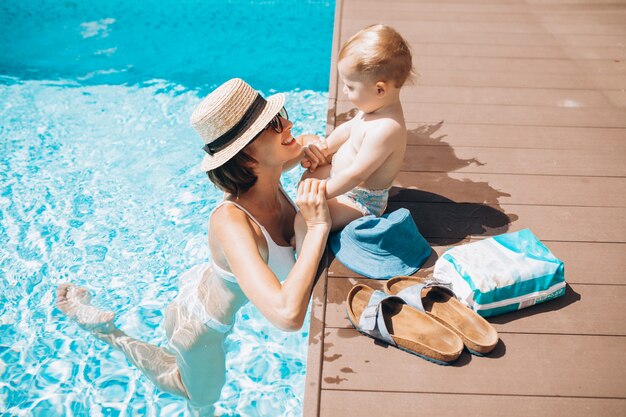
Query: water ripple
100,186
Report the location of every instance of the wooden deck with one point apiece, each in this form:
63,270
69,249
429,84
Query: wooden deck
518,120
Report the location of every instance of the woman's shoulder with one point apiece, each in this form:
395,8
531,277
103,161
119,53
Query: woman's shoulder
230,219
231,227
227,211
228,216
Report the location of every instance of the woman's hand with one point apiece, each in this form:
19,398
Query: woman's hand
311,199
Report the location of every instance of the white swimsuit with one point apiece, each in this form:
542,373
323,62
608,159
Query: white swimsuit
280,260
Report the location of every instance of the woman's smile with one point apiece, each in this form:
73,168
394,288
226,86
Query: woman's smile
290,141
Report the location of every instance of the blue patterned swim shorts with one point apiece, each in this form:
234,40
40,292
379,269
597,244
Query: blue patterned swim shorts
368,201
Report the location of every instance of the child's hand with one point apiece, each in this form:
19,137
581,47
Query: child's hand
315,155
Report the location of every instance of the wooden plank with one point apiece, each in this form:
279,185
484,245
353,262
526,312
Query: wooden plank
591,28
583,310
421,49
598,163
401,15
596,52
503,96
365,7
608,81
425,34
520,51
526,79
312,384
353,24
440,22
616,16
585,263
402,404
514,66
553,134
500,5
420,35
508,115
573,3
592,40
617,98
453,222
604,67
332,87
591,263
510,189
514,136
521,364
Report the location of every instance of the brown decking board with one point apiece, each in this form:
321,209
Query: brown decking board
600,314
408,404
521,364
520,189
546,116
497,136
518,119
504,96
599,163
583,266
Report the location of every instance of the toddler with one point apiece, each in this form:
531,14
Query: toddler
367,151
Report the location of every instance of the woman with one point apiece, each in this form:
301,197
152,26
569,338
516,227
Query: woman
249,144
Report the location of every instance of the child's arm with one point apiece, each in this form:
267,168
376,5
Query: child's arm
318,153
375,149
303,141
338,137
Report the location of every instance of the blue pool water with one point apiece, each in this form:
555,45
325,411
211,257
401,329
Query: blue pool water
100,186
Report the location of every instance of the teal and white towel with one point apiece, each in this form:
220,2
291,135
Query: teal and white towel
503,273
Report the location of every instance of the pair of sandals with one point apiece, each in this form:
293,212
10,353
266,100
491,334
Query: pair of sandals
421,316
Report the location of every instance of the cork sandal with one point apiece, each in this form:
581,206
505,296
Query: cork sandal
439,302
389,319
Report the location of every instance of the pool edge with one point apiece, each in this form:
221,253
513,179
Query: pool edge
313,383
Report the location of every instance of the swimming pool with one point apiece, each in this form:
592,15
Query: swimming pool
100,186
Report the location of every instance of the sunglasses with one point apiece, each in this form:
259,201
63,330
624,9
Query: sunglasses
276,124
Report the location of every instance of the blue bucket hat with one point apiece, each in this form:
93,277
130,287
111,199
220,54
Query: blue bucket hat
381,247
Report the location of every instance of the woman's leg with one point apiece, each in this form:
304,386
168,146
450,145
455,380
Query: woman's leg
200,356
156,363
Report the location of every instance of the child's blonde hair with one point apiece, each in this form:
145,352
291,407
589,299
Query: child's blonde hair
381,54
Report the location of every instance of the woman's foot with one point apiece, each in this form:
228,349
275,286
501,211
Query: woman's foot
75,303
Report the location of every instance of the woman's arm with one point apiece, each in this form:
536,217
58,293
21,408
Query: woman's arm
284,305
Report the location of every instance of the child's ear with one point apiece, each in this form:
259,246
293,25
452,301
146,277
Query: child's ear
381,88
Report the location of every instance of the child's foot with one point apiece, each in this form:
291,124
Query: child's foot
75,303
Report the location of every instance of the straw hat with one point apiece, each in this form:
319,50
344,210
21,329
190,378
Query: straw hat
229,117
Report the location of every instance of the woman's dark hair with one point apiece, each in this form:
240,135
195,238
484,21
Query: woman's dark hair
236,176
